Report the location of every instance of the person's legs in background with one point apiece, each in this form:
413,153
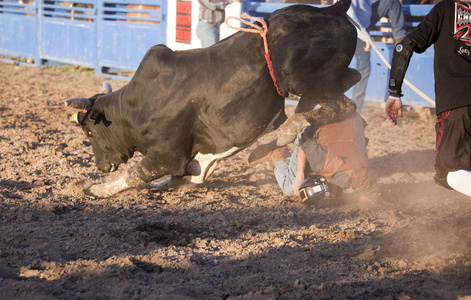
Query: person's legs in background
207,33
364,67
392,9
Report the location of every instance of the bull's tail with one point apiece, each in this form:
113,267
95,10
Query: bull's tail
343,5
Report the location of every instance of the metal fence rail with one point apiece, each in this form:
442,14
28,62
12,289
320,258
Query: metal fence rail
97,34
68,32
18,29
127,29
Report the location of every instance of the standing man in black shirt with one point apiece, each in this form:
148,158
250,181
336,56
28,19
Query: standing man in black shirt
448,28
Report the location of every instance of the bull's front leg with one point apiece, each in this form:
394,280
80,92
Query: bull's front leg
323,113
139,174
110,188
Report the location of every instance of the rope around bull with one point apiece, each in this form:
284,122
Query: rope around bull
262,30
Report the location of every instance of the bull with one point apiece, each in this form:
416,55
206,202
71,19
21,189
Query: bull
187,110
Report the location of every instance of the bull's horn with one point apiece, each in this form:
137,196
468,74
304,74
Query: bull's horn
79,103
106,88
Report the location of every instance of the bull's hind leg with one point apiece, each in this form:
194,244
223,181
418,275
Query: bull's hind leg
203,165
323,113
198,169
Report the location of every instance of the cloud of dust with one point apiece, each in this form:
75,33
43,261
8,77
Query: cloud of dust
427,220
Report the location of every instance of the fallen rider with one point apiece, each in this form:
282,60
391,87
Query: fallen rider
325,162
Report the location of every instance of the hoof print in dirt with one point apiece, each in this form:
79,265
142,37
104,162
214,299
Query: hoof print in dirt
146,266
60,209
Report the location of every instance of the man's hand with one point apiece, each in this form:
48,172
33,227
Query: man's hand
296,184
300,170
367,47
393,109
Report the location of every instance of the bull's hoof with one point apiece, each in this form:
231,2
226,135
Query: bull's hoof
99,190
169,182
181,184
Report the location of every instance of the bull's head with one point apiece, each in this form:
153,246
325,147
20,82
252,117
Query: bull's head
98,129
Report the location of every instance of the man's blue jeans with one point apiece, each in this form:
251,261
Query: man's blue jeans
364,67
392,9
207,33
285,170
379,8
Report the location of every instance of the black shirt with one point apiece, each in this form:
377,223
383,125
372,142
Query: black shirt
448,28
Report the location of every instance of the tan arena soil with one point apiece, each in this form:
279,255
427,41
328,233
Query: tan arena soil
234,237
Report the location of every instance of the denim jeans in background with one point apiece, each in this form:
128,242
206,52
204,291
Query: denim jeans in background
363,66
207,33
379,8
393,10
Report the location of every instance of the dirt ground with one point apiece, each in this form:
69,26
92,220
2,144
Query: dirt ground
234,237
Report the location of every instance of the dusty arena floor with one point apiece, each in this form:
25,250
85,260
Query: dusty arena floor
235,237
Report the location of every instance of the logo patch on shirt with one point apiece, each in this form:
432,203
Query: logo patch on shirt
463,22
464,51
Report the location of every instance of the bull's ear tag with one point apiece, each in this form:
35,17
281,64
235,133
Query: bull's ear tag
75,117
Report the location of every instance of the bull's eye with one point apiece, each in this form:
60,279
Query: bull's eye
89,133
